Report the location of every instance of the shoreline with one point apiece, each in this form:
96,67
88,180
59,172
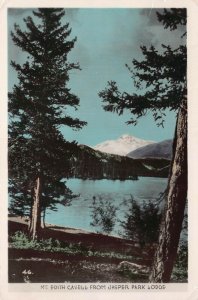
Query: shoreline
25,220
96,241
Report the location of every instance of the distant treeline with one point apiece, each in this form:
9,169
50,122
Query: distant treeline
87,163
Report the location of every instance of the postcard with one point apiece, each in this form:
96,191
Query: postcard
99,149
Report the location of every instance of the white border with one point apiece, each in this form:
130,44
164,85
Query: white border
178,290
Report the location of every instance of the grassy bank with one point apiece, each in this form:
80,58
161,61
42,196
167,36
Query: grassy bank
21,241
65,255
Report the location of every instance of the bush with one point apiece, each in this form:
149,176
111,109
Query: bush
142,224
103,215
21,241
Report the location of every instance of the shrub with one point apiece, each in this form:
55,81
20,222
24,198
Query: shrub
142,224
21,241
103,215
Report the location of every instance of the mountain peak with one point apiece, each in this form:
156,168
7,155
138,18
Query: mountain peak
121,146
158,150
125,136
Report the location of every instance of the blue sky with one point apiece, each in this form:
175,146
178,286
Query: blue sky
107,39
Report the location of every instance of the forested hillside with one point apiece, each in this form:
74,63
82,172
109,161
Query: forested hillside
87,163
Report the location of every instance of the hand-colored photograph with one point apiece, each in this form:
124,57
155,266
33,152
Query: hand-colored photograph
97,145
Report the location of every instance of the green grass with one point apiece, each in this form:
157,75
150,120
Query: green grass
21,241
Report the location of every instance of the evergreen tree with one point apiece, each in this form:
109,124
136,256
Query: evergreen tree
141,222
38,106
161,79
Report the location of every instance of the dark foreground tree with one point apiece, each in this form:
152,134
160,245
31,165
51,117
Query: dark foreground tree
38,152
161,77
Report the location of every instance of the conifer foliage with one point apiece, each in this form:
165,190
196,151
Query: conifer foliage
161,82
38,107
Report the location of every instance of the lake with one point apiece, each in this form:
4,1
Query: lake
78,215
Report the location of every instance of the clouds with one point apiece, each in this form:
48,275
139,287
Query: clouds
107,39
150,14
16,12
161,35
72,13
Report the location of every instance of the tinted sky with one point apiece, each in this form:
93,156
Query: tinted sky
107,39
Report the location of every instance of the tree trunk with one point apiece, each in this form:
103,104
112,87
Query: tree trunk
35,222
171,226
44,214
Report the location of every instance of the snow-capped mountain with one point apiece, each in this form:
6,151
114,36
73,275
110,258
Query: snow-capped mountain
122,146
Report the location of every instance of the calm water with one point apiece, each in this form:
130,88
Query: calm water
78,215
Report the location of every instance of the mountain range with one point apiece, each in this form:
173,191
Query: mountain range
134,147
122,146
157,150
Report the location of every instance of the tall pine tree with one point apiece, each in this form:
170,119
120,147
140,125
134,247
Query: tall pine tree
161,78
38,106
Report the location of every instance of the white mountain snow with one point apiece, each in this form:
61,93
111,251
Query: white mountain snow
122,146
